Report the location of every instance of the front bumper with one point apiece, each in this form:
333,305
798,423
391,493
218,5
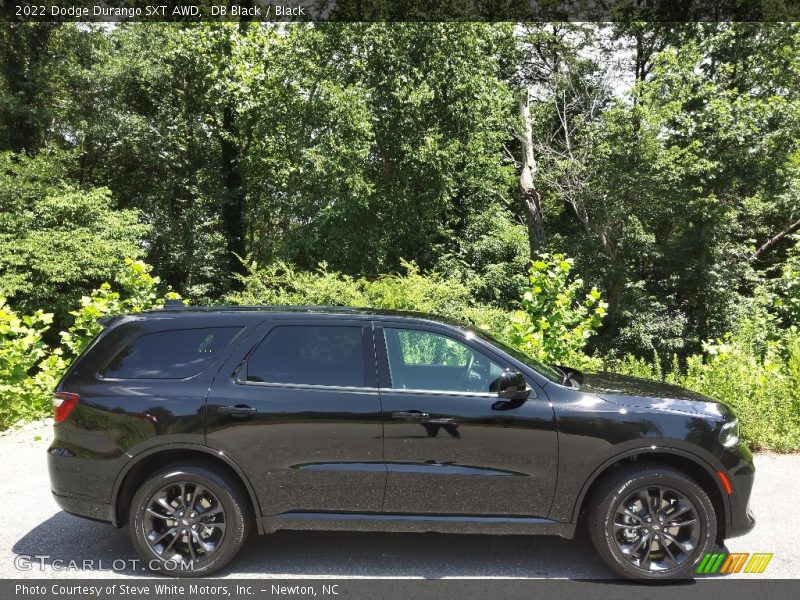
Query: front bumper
743,525
737,463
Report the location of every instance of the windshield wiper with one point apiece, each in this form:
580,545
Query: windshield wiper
564,377
571,377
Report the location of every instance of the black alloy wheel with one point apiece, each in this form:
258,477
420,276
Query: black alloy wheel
651,522
655,528
185,523
189,519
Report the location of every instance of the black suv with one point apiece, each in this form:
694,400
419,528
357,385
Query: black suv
196,425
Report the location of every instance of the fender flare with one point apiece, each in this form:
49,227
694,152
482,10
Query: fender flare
605,465
138,458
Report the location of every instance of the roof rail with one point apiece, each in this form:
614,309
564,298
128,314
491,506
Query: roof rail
178,306
174,303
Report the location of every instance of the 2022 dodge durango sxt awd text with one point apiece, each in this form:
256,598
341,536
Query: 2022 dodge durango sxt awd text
195,426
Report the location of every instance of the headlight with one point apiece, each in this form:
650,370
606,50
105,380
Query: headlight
729,433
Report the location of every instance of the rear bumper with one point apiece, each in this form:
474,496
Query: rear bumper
80,486
81,507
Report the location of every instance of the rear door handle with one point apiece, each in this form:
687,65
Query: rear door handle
410,414
237,411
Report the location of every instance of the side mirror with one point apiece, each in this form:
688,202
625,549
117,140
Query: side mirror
510,385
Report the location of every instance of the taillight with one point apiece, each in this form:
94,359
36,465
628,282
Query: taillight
63,403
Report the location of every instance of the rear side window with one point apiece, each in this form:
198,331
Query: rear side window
172,354
309,355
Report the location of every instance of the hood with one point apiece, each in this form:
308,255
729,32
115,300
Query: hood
646,393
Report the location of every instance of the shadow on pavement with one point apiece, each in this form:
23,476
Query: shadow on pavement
64,538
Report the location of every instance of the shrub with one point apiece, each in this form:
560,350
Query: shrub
282,284
57,241
30,370
138,291
763,388
755,369
21,348
554,324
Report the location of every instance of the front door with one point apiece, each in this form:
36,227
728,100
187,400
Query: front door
301,414
451,446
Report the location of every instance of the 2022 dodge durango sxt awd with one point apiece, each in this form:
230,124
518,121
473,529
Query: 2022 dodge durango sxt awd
194,426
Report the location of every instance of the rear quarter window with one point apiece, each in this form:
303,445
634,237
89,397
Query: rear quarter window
171,354
310,355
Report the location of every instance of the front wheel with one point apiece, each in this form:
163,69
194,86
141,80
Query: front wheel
189,520
652,523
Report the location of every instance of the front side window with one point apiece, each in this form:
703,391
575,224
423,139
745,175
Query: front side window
172,354
309,355
423,360
541,368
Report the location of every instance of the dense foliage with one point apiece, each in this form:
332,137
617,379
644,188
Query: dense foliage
21,349
422,166
31,368
434,293
755,369
57,239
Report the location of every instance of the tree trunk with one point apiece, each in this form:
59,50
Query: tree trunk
233,202
615,292
770,243
531,201
233,206
24,49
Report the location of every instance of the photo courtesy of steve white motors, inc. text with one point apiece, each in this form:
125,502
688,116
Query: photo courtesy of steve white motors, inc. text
172,590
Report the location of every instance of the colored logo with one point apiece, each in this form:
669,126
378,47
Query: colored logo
721,563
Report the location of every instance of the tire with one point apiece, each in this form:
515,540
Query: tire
644,550
208,527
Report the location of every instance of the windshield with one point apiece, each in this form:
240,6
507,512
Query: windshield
541,368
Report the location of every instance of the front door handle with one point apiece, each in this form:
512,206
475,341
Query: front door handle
410,414
238,411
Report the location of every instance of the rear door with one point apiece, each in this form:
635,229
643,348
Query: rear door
451,446
300,412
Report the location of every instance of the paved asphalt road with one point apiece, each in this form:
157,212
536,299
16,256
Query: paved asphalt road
35,526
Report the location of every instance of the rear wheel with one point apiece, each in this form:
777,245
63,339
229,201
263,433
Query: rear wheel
189,520
652,523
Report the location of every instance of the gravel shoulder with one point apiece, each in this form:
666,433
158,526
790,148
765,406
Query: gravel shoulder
38,528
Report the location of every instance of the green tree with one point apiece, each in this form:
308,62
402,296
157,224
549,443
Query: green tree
24,85
675,190
153,137
373,143
57,240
